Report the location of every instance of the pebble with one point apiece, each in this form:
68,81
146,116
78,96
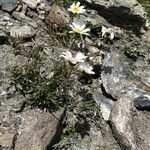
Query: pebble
31,3
21,17
105,105
142,102
93,49
6,18
41,11
22,32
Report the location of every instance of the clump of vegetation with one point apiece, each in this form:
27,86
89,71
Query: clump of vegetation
132,49
63,2
39,90
87,112
88,108
42,92
132,52
69,134
146,4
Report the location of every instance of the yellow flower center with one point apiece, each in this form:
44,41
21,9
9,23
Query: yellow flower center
76,9
78,30
86,70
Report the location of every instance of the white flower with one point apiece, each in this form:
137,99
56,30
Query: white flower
80,57
104,31
108,31
68,56
86,68
78,28
111,36
76,8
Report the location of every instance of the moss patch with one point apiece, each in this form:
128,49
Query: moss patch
146,5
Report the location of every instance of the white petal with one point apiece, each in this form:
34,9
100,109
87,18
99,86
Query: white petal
69,9
82,7
82,10
71,31
91,72
73,61
69,53
90,68
86,68
112,36
82,27
78,4
86,30
71,26
85,33
75,25
104,30
80,57
81,66
73,4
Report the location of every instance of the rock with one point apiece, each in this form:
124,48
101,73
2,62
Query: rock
38,130
41,11
6,21
142,102
115,10
93,134
121,83
22,32
121,122
92,49
105,105
133,6
23,127
6,140
96,140
6,18
8,5
21,17
141,122
35,130
57,17
31,3
114,74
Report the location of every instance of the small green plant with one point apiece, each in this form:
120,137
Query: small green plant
86,104
31,52
63,2
132,52
69,134
146,5
90,109
42,92
15,42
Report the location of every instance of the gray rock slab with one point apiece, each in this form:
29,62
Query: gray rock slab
37,130
121,83
22,32
31,3
8,5
117,12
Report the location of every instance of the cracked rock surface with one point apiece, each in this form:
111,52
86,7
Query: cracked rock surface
121,87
